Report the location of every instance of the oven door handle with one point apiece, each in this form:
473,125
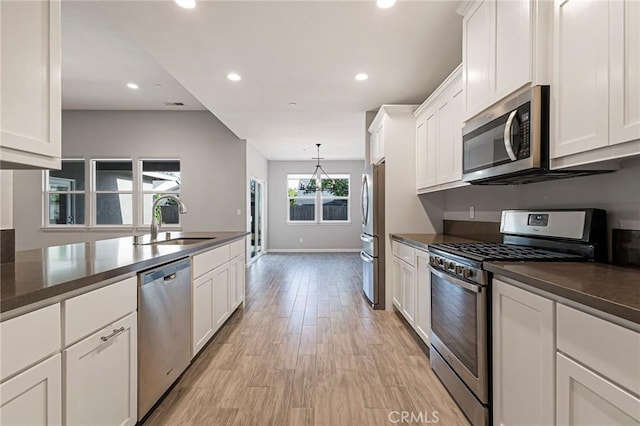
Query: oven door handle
456,281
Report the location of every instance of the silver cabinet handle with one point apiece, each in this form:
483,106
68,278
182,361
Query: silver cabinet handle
114,334
508,145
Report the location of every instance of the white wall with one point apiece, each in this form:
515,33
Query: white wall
618,193
284,236
213,166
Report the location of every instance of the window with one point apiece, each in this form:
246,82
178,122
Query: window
328,204
113,192
160,177
110,193
65,194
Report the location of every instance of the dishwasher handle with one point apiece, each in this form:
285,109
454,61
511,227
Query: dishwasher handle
166,272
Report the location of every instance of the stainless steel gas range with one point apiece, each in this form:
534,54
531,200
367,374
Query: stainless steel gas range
460,292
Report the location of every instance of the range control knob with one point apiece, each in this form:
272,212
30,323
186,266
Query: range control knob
468,273
458,270
440,261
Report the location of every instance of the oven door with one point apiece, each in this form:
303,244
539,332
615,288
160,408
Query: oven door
459,329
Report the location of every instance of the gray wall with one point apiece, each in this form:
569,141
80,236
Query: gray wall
213,165
618,193
284,236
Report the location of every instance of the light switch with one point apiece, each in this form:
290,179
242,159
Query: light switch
472,212
238,212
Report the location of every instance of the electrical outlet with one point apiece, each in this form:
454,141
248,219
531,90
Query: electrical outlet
238,212
301,240
472,212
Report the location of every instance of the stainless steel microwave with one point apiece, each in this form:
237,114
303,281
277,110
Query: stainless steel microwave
510,142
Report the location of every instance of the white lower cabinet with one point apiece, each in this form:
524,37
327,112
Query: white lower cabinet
236,282
411,287
423,296
523,356
101,376
586,398
202,321
220,296
33,397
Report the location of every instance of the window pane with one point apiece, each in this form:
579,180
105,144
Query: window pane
114,175
70,178
302,209
168,209
304,187
114,209
335,210
335,187
161,176
66,209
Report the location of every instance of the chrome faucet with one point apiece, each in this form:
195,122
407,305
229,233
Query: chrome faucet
156,220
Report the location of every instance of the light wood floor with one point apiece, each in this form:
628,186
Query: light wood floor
307,350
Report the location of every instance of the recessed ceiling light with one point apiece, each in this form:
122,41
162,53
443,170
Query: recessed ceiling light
132,86
186,4
361,76
385,4
234,77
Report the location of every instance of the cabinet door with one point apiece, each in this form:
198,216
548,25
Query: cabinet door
432,147
240,280
101,372
31,88
444,145
477,54
580,91
423,296
625,71
203,322
512,47
421,154
373,147
220,296
233,284
409,292
397,287
585,398
33,397
523,356
458,121
380,141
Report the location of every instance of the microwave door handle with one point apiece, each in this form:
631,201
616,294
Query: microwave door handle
508,145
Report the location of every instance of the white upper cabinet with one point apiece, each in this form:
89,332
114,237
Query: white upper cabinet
376,140
625,71
581,76
596,82
30,115
477,36
439,137
505,47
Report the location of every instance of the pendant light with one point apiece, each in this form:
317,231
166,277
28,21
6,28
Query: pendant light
315,181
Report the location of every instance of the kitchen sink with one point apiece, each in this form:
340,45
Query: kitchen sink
180,241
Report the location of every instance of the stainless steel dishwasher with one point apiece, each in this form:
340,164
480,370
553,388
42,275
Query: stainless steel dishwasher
164,330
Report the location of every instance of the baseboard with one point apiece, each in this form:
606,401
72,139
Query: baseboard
313,250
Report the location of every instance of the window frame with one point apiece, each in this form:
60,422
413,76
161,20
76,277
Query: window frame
46,192
318,198
142,193
95,192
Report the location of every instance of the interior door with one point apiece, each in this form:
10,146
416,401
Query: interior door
257,217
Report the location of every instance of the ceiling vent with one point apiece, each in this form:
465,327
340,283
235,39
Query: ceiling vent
174,103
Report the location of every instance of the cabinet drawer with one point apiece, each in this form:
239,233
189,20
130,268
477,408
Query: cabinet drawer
404,252
27,339
205,262
606,348
236,248
92,311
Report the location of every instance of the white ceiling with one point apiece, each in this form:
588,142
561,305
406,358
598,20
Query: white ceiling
286,51
98,61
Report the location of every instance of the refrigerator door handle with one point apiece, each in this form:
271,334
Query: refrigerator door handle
364,200
365,257
366,238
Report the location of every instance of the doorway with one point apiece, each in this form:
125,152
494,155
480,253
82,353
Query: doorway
257,217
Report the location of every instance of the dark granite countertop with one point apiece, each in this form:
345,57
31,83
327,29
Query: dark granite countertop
607,288
423,241
40,274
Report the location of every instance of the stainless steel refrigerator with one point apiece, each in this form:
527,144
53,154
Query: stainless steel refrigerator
373,237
